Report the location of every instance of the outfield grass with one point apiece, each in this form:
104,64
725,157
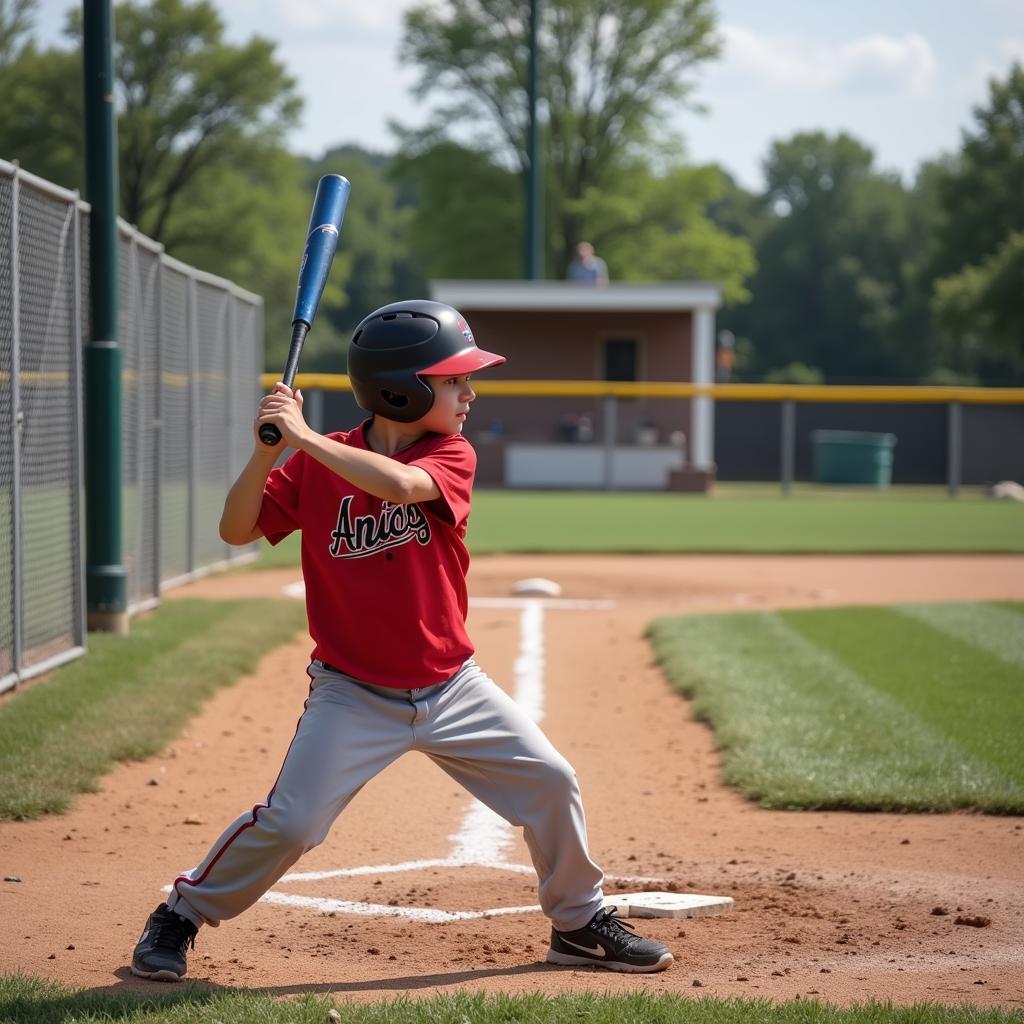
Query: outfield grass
911,707
129,696
739,519
27,1001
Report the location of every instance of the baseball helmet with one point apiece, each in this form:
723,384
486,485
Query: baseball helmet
394,347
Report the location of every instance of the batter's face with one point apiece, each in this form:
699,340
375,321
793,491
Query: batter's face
452,396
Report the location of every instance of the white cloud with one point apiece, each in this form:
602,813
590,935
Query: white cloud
875,63
378,16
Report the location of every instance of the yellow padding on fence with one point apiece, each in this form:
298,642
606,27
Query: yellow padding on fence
684,389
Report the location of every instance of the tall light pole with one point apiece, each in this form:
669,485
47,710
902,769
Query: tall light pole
105,578
534,233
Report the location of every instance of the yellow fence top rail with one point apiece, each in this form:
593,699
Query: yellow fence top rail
725,392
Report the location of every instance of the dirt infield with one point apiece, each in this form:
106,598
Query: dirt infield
840,907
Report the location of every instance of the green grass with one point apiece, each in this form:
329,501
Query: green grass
741,520
25,1001
911,707
128,696
738,519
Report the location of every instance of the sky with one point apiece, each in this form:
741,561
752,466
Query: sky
902,76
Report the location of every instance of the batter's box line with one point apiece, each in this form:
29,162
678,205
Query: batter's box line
424,915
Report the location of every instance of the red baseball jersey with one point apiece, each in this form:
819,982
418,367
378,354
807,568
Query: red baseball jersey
386,592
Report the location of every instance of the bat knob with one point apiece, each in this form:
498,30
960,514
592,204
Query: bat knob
269,434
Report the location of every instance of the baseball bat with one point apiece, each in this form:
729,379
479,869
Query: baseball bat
329,205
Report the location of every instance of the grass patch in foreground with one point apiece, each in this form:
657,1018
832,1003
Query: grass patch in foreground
911,707
128,696
26,1001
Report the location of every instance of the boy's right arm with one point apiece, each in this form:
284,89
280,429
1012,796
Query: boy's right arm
238,522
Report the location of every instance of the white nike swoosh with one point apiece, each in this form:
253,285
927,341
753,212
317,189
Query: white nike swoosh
598,951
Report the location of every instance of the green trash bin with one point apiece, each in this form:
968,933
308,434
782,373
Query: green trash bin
852,457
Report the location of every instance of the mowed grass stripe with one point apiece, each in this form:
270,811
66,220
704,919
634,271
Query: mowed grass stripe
997,629
797,727
840,708
957,688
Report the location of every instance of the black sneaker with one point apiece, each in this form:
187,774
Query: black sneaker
610,943
160,954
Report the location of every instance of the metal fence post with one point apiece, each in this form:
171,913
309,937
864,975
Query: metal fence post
191,363
611,429
78,452
954,454
788,444
141,433
17,417
156,425
315,410
228,334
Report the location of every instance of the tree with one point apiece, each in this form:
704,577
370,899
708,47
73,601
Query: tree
374,249
41,114
979,257
466,209
652,227
201,123
611,74
16,21
835,267
982,307
190,101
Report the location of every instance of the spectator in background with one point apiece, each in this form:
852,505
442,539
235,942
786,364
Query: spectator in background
725,357
586,268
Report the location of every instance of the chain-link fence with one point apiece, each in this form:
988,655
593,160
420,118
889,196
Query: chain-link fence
192,351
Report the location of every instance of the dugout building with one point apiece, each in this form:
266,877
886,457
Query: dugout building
564,331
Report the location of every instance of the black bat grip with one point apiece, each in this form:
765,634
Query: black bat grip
269,434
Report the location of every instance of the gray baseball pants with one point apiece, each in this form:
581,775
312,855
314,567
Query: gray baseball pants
348,733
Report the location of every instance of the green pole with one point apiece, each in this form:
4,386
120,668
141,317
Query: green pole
534,234
105,579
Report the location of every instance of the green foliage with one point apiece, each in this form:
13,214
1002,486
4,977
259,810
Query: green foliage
467,219
979,250
981,194
41,114
836,281
16,17
795,373
907,708
375,250
983,301
653,226
201,123
609,74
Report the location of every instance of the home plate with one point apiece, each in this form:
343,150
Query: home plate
667,904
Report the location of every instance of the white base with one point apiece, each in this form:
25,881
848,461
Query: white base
536,585
667,904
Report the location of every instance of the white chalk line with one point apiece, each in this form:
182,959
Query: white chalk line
425,915
482,833
484,839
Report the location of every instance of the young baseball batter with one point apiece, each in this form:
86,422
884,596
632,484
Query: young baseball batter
383,511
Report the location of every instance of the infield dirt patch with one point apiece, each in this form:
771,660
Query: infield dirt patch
837,906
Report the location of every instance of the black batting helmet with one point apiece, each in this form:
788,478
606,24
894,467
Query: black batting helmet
395,346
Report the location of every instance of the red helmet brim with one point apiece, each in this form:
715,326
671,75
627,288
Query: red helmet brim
469,360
